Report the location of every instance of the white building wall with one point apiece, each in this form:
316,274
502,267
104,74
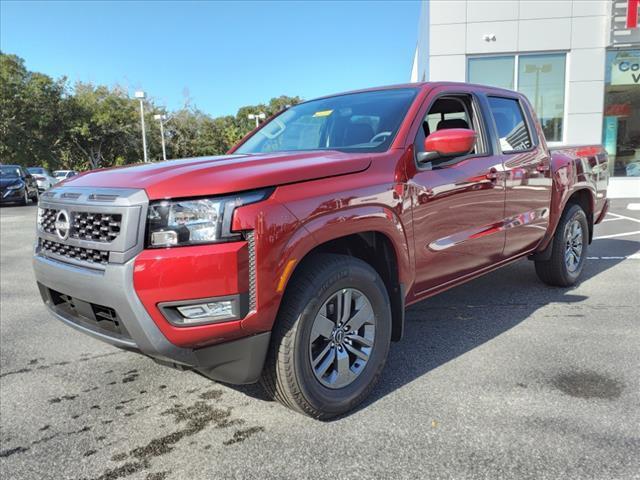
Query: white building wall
460,28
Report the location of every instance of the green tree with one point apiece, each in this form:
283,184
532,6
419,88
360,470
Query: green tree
31,114
13,76
274,106
103,125
44,122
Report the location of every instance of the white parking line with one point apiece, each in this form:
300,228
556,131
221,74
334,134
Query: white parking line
635,256
616,235
633,206
625,218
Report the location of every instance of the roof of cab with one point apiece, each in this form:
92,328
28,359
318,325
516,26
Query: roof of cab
422,86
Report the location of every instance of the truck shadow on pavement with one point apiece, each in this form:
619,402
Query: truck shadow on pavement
446,326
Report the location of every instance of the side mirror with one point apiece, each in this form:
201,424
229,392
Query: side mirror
451,142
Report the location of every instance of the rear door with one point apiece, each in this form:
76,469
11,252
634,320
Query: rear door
458,203
527,173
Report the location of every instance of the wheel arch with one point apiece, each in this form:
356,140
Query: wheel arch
582,196
585,199
375,236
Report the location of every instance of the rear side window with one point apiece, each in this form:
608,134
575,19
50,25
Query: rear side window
511,127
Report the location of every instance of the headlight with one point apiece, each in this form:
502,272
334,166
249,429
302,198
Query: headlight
196,221
15,186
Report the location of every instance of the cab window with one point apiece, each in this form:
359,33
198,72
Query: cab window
511,127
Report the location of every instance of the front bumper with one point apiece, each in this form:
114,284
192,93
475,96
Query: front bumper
103,304
12,195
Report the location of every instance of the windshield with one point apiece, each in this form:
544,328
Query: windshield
9,172
60,173
363,122
37,170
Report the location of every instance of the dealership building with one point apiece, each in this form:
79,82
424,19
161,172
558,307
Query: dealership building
578,62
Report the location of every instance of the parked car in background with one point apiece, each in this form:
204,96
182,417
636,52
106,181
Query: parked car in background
17,185
43,177
60,175
292,258
633,169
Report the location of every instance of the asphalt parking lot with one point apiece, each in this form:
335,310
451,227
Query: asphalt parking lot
501,378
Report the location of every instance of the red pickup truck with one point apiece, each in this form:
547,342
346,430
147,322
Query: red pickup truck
292,259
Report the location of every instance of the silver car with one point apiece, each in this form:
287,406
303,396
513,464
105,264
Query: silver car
44,179
61,175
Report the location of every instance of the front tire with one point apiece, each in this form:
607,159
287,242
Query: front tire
331,337
568,250
25,198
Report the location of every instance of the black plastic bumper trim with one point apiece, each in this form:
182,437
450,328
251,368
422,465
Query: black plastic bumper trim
236,362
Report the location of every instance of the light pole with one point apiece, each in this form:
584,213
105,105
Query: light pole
140,95
257,117
529,68
161,118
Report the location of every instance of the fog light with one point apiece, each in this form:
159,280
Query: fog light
215,310
206,310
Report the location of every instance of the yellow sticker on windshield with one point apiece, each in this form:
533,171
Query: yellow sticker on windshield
323,113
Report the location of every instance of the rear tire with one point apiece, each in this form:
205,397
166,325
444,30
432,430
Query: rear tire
568,250
309,334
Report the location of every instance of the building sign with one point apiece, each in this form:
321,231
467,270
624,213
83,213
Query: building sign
625,69
624,22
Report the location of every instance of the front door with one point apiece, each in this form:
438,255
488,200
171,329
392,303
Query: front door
458,203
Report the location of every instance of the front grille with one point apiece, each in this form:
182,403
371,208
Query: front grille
95,227
103,224
76,253
48,220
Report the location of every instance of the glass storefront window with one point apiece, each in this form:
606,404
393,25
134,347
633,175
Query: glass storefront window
621,125
493,71
541,79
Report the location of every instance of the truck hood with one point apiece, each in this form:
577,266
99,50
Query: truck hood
224,174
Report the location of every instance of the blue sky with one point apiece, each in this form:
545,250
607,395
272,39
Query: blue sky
224,54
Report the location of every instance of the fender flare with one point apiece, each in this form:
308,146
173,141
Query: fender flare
350,221
565,185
